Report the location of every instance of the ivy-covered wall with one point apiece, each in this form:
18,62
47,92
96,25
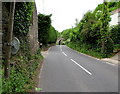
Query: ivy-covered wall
5,16
0,30
23,65
25,25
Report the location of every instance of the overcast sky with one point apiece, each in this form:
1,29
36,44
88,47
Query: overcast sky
64,12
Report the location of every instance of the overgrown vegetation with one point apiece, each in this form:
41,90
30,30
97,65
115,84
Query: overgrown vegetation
23,17
22,72
52,35
24,64
46,32
92,35
111,5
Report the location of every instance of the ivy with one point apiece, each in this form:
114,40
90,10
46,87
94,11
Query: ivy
21,74
23,17
93,32
24,63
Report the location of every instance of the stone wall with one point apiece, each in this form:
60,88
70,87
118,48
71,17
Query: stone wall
33,29
33,32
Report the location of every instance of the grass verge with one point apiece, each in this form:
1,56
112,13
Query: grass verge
83,49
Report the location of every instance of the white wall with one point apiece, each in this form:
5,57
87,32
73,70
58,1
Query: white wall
114,19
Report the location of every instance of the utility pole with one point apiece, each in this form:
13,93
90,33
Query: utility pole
9,39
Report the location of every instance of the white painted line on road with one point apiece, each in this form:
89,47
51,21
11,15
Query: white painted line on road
64,53
110,63
60,48
81,67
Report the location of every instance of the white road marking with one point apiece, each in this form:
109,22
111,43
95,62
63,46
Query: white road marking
81,67
64,53
110,63
60,48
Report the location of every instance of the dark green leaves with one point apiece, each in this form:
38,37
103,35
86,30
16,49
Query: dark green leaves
23,17
44,23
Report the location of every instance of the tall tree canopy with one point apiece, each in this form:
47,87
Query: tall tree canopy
44,24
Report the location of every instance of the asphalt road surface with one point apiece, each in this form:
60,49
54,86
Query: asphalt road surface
65,70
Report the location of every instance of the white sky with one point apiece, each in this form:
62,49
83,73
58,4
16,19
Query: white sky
64,12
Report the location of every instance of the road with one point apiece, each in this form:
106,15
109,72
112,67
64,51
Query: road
65,70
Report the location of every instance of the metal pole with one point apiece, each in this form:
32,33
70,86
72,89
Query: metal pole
9,39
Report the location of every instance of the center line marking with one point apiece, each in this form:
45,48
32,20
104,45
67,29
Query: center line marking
81,67
60,48
64,53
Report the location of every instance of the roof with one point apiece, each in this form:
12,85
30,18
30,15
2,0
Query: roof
115,11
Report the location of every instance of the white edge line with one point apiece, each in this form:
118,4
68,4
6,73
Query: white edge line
81,67
110,63
64,53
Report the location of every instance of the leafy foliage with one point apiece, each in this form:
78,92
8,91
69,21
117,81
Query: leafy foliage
111,6
44,24
104,31
115,34
23,17
88,34
66,34
24,64
22,73
46,32
52,35
92,32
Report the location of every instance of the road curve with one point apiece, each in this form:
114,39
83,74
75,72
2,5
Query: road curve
65,70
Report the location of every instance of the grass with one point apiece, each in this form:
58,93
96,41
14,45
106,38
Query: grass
83,49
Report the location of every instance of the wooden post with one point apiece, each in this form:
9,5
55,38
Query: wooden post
9,39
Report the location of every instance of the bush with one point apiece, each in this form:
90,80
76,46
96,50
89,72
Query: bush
115,34
52,35
109,46
44,23
22,73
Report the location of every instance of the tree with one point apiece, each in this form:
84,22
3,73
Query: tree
52,35
115,34
44,24
88,31
66,34
106,42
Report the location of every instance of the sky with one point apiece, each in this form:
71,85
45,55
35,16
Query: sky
64,12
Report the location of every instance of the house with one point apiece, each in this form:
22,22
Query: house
115,17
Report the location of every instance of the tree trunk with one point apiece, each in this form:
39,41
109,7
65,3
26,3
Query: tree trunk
103,47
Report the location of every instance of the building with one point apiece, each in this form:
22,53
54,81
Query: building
115,17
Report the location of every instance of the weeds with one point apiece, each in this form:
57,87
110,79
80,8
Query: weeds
22,73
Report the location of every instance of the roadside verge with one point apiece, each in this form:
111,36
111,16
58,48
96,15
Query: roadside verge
113,60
